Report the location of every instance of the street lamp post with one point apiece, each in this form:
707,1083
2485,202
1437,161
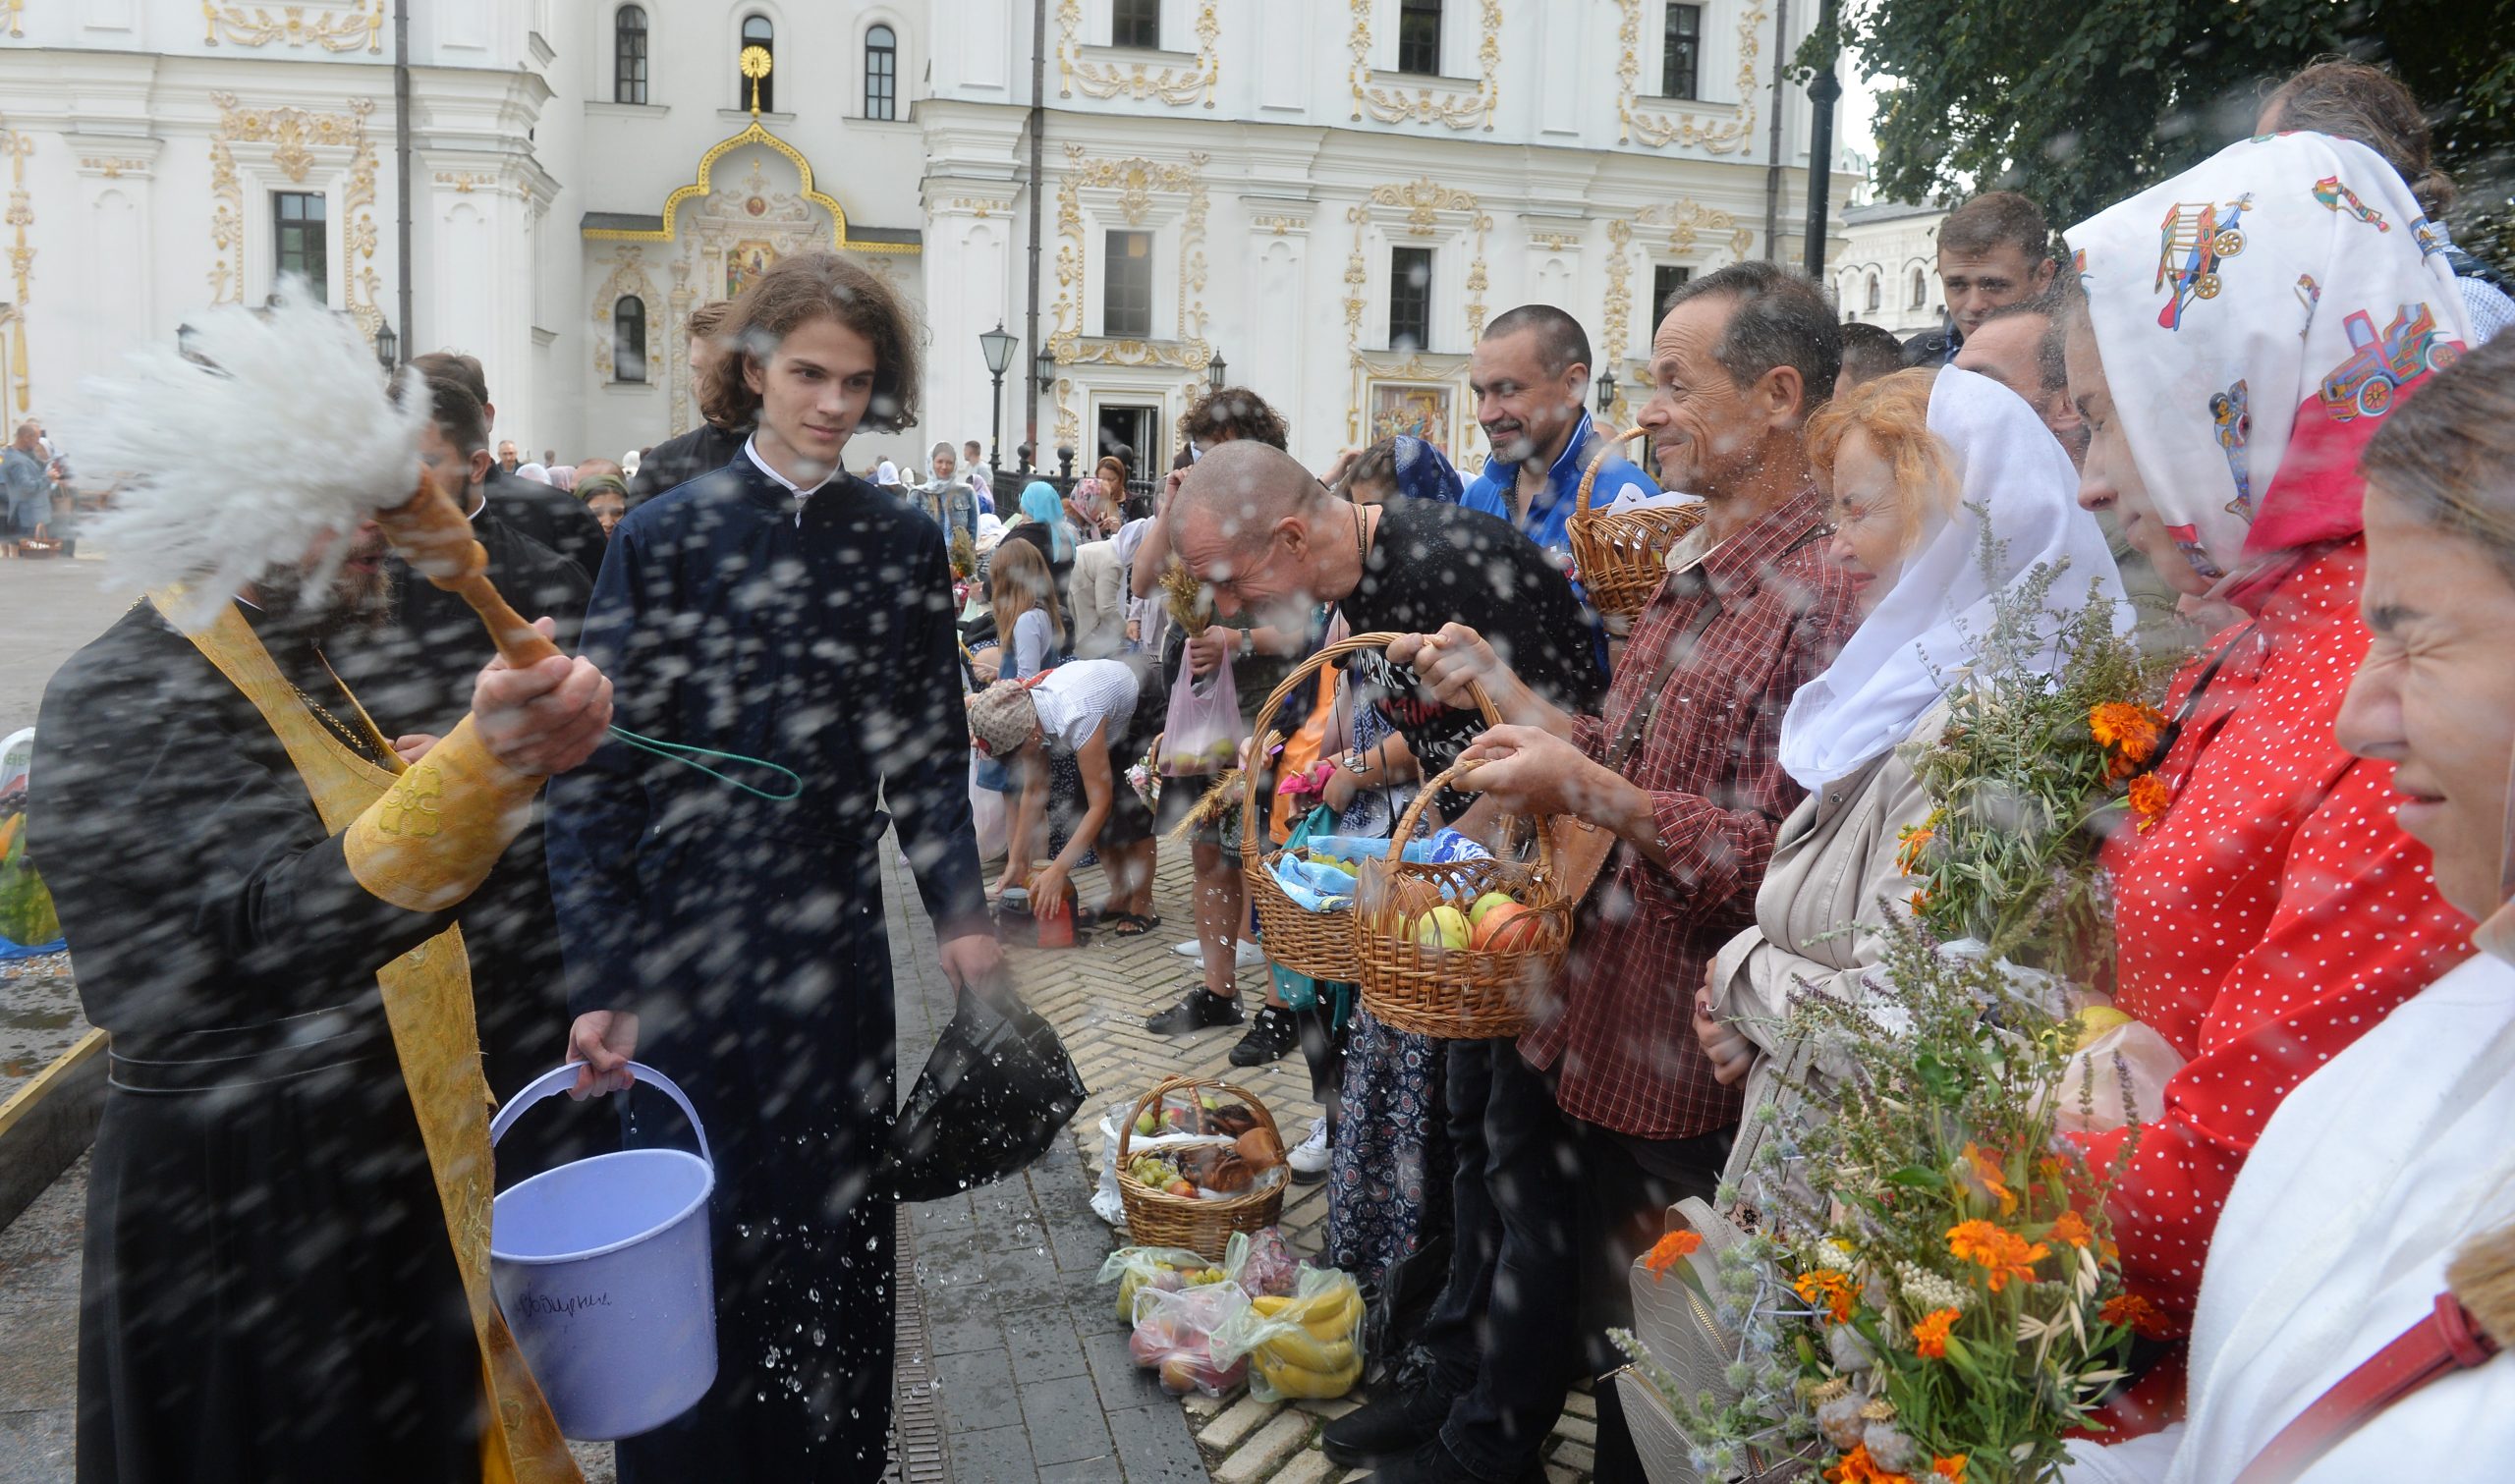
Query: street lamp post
388,349
1606,391
997,347
1214,376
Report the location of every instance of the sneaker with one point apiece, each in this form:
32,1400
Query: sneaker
1387,1431
1270,1035
1198,1010
1244,954
1309,1158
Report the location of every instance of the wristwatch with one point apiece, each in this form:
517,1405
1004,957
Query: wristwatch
1247,643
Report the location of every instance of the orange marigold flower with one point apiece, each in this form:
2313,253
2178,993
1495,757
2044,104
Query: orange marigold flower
1929,1336
2134,1312
1857,1468
1827,1287
2148,800
1950,1467
1911,840
2072,1228
1668,1250
2001,1253
2129,729
1920,902
1986,1170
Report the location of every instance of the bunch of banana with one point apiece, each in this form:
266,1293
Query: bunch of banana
1318,1357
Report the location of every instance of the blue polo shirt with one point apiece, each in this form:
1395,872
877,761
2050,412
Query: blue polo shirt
1542,522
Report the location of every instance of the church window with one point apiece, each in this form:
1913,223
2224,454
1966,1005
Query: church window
1126,298
1410,298
1136,24
297,220
629,55
757,32
1419,38
882,73
1665,280
1873,294
1681,53
629,338
1921,289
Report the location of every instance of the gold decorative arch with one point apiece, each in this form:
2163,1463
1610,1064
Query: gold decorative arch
755,134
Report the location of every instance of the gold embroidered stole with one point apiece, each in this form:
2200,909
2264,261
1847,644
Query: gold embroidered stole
428,1000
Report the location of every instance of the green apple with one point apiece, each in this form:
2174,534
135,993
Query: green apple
1486,903
1443,927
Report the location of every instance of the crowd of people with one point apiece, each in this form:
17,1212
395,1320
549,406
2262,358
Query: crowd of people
2299,485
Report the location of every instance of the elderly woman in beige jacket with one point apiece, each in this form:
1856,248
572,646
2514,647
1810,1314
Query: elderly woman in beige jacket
1917,462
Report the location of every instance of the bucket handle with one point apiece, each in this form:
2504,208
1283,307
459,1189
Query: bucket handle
550,1083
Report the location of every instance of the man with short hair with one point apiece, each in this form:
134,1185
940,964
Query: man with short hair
1995,250
981,480
1606,1112
1530,374
1868,353
706,448
545,512
26,480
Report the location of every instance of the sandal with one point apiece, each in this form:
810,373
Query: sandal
1128,924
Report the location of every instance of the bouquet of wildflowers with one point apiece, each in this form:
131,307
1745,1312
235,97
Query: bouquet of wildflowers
964,556
1955,1305
2050,739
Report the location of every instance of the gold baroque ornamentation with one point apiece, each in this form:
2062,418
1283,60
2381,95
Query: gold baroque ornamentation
1555,242
1279,224
1177,86
22,257
464,182
16,28
1639,117
755,134
1686,217
294,135
114,167
1137,181
1619,308
628,279
979,206
1424,198
1425,105
363,25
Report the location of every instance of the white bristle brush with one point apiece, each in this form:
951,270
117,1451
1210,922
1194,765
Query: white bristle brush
221,471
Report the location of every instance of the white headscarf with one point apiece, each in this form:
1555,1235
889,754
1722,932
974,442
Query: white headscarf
1901,659
535,472
886,473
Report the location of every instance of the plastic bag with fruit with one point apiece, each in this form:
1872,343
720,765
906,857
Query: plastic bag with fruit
1174,1334
1169,1270
1305,1345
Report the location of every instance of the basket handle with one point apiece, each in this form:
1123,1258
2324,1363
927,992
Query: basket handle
1454,774
1598,460
1176,1082
1302,675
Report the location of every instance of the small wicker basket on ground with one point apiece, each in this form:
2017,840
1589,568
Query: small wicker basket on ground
1159,1219
1455,993
1622,558
1320,945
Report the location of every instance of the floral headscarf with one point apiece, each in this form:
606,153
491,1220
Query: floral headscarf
1422,473
2258,315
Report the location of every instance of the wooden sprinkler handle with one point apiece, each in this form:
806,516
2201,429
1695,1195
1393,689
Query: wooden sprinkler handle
432,535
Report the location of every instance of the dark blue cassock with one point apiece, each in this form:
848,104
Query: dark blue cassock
747,935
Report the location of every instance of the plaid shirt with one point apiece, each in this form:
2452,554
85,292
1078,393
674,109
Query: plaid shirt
1757,617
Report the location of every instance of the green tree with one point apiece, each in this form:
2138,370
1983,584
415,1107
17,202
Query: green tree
2079,104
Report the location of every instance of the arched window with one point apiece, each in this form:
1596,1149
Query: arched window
1921,289
629,55
1873,294
757,32
629,338
881,74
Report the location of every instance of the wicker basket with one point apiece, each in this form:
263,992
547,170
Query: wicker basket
1455,994
1320,945
1159,1219
1622,558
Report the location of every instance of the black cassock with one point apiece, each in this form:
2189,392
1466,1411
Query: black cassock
268,1291
748,934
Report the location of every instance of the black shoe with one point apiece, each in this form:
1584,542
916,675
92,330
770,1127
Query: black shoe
1198,1009
1270,1035
1389,1430
1434,1464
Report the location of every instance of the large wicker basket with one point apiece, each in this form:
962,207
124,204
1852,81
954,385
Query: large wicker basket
1159,1219
1622,558
1461,993
1320,945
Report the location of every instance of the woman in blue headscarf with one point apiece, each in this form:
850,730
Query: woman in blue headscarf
1044,526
